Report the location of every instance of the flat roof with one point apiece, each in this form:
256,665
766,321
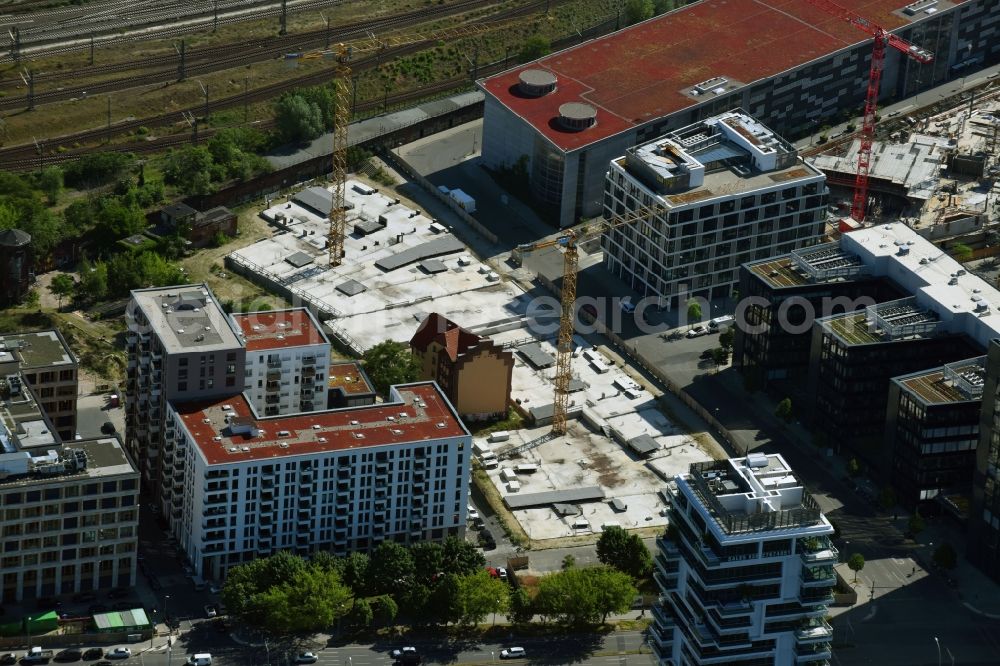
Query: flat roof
349,377
280,329
39,349
422,413
962,381
104,457
648,70
586,494
187,317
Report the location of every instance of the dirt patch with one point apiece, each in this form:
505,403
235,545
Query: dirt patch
609,471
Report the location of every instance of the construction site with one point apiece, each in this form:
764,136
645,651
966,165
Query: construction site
937,173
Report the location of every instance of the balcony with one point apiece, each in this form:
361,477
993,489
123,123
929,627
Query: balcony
308,372
818,577
663,618
308,360
824,599
817,551
272,365
272,399
805,654
271,387
814,633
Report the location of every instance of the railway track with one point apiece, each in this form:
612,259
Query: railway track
219,58
25,163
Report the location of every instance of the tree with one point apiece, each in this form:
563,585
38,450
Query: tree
534,48
461,557
720,356
389,363
443,604
115,219
93,280
853,467
693,311
625,552
521,607
946,557
916,525
428,560
355,572
961,252
96,169
385,609
784,410
50,181
887,498
664,6
585,596
297,119
62,285
638,10
568,562
362,614
480,594
391,568
189,169
727,337
856,563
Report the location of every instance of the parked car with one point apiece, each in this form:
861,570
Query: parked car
399,652
93,653
8,658
502,573
697,332
306,658
406,655
120,653
210,611
473,514
512,653
69,654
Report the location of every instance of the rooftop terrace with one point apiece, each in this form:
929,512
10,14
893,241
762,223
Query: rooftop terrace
229,431
38,350
350,378
658,67
961,381
279,329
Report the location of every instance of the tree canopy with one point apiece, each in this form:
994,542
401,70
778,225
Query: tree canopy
625,552
856,563
534,48
297,119
389,363
638,10
584,596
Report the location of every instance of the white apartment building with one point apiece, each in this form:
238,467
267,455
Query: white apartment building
745,570
723,191
339,480
287,361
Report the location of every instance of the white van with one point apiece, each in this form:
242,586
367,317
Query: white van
725,320
201,659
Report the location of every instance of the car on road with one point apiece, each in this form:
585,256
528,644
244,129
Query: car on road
8,658
306,658
93,653
512,653
69,654
473,514
501,573
399,652
697,332
120,653
210,611
104,663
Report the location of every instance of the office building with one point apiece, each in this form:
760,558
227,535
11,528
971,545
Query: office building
287,360
984,518
782,296
725,191
49,367
69,521
745,570
340,480
564,117
932,430
181,346
473,371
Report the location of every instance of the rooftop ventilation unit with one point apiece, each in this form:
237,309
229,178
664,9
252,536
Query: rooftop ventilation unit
756,460
536,82
321,440
283,445
577,116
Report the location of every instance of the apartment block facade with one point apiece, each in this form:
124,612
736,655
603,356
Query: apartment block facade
51,370
932,430
723,191
340,480
745,570
473,371
287,360
181,346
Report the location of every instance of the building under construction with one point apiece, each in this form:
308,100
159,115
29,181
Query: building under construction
794,67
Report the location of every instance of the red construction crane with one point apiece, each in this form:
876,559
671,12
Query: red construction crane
882,38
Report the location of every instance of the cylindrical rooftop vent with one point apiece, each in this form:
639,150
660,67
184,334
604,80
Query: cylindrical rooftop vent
536,82
576,116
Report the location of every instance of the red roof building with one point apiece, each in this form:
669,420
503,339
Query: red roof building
278,329
786,62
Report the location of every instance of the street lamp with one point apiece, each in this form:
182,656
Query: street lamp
166,617
938,643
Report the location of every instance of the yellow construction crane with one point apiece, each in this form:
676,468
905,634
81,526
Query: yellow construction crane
569,242
342,54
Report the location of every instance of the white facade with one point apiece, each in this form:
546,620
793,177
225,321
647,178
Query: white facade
746,570
302,490
287,381
726,191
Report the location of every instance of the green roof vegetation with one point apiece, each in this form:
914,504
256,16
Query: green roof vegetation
853,329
